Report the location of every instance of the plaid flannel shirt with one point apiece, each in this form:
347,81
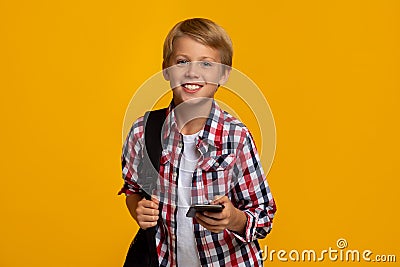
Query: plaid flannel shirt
229,165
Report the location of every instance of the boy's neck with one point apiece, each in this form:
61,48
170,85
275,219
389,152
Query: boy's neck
191,116
193,126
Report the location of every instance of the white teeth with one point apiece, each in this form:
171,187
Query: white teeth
192,86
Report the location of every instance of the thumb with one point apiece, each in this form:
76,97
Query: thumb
219,199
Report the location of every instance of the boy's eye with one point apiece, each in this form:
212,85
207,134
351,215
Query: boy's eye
206,64
182,62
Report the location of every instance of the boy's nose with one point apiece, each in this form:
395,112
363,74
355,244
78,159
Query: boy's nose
192,70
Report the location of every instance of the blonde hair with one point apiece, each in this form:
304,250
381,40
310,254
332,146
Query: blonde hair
205,32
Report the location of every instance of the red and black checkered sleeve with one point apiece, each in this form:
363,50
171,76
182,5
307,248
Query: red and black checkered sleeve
132,154
252,192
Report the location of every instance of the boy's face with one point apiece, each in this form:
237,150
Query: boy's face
194,70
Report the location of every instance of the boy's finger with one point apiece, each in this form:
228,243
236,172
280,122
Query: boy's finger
213,215
149,218
207,219
146,225
154,199
150,204
218,200
152,212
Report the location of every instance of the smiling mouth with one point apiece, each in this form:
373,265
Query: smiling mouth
192,87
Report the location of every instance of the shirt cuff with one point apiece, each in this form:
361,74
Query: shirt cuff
128,190
250,227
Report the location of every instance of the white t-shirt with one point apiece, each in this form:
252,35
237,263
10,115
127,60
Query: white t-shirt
187,254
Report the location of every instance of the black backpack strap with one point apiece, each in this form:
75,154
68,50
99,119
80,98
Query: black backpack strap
143,251
148,174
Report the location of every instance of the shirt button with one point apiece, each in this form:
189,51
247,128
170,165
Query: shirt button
174,175
216,164
180,145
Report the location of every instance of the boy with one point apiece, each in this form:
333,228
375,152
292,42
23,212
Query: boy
208,156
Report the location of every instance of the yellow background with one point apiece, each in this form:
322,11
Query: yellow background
329,69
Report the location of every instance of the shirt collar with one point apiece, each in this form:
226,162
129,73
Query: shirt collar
211,134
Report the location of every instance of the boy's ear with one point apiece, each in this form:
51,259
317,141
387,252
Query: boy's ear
225,75
165,71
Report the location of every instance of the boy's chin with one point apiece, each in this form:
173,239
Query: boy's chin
194,101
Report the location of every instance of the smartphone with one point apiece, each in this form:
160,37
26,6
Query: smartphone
203,207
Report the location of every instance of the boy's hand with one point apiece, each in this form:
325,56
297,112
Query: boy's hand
229,218
147,213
